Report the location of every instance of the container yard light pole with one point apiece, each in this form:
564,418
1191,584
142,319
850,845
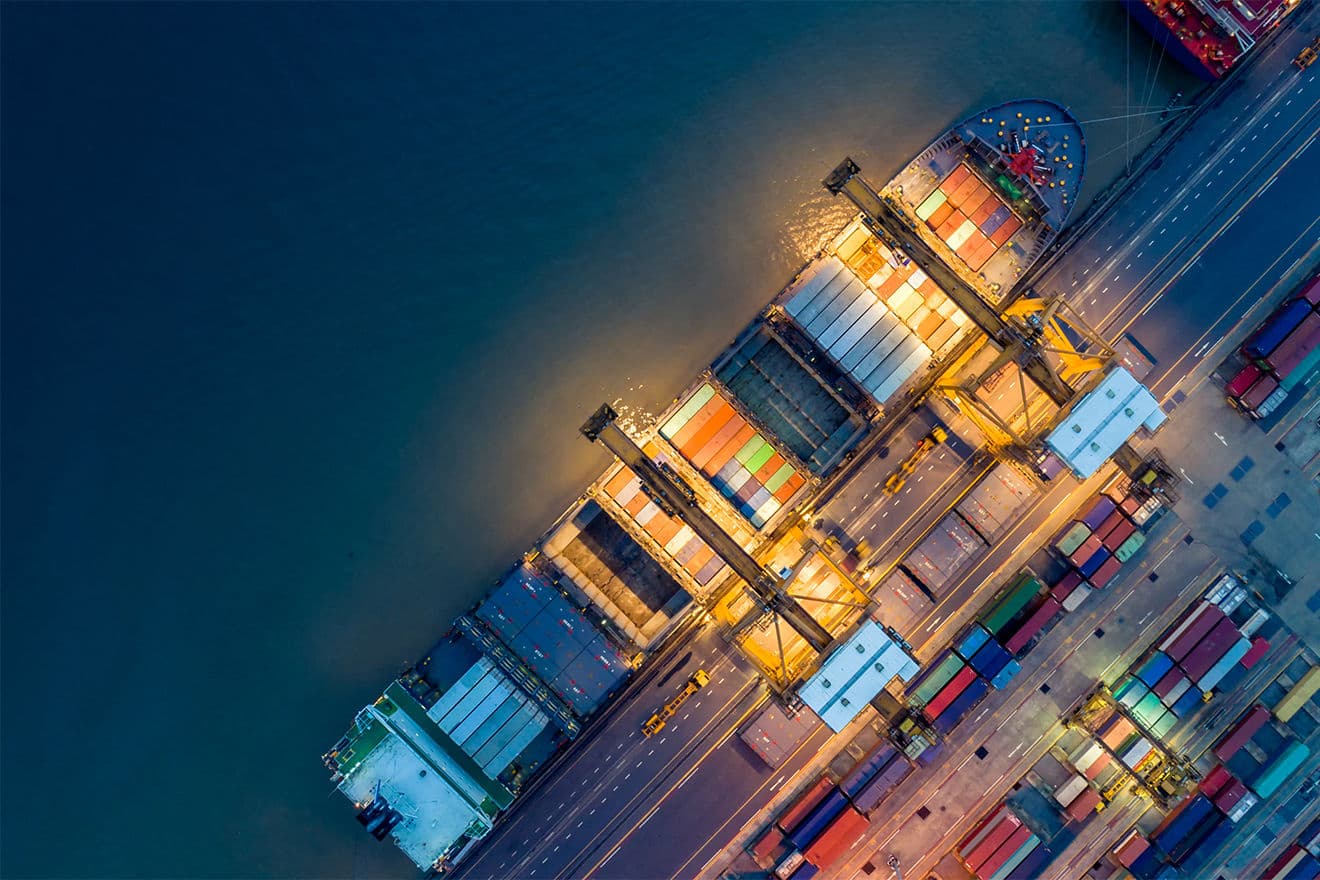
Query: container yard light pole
893,862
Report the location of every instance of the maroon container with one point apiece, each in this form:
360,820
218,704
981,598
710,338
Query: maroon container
1206,654
1233,741
1259,645
1256,394
1245,378
1208,617
1106,572
1228,797
1293,350
1165,685
1119,534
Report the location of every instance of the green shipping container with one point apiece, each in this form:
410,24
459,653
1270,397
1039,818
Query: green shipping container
1294,756
1301,371
938,679
1073,538
1018,597
688,410
1129,548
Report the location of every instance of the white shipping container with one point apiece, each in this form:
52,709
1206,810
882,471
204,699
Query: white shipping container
1242,807
1086,756
1231,604
1076,597
1255,622
1067,793
789,864
1134,755
1222,588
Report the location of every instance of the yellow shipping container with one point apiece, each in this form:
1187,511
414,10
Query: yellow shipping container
1297,697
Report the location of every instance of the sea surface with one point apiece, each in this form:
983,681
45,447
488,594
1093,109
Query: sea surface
303,305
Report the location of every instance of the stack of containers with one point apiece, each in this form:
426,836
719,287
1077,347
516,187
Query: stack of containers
1071,590
1091,760
1186,827
1296,863
817,819
1077,798
1101,539
1001,847
1241,733
968,216
1280,355
869,796
836,839
804,804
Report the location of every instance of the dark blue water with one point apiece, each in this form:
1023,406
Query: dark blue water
303,305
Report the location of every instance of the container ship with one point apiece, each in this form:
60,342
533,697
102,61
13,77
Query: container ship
449,744
1208,37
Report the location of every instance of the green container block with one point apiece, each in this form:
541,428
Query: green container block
750,448
1129,548
1130,692
757,461
1148,710
1073,538
943,673
779,478
1018,597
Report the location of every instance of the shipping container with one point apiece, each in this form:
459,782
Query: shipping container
1070,581
1006,851
1033,625
1222,589
1229,796
930,683
982,830
1298,695
1217,673
1085,551
1245,378
1272,776
1130,691
1294,349
1298,374
1214,781
1276,329
1199,859
837,838
966,700
1243,806
1020,855
949,693
1084,805
791,862
1147,865
1111,522
1254,622
1181,821
866,768
805,871
1129,848
1137,752
1194,627
1164,687
882,784
1310,838
1005,675
765,846
1098,511
990,659
1188,703
1077,597
998,834
1197,836
1199,660
804,804
1280,869
1094,561
1258,393
1018,596
1033,865
1116,732
1087,755
972,641
1130,547
1233,600
1154,668
1068,791
1115,537
1106,573
1071,538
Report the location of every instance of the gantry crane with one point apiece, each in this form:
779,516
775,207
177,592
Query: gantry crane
1025,329
676,498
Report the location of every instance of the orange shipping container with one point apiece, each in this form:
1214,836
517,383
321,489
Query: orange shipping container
708,430
729,450
837,838
697,422
971,206
805,803
964,191
716,443
956,176
988,207
939,216
1005,232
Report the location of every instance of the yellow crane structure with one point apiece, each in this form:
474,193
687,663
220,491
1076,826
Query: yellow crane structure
657,722
909,465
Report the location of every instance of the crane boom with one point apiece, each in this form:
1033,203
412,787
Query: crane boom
892,227
664,487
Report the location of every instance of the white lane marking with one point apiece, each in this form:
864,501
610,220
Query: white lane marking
1185,477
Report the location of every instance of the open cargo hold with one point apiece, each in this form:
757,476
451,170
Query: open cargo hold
804,804
1269,779
882,784
1298,695
950,717
866,768
930,683
837,838
949,693
1017,597
1033,625
1276,329
815,821
1293,350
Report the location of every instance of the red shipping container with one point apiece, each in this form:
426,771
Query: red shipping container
1004,853
993,841
1069,582
1294,349
949,693
837,838
941,214
956,177
1215,781
1115,517
972,205
1311,292
1033,625
1256,394
1130,505
805,803
1241,733
1106,572
1134,845
1119,534
1086,551
982,255
1245,378
1165,685
1206,654
763,850
1005,232
1084,805
1098,766
1259,645
985,209
982,830
948,227
1229,795
1207,617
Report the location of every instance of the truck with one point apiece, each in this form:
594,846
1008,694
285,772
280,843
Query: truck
928,443
657,721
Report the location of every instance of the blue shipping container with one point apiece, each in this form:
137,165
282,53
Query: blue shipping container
1005,675
814,822
1187,703
950,717
1200,856
1092,565
1285,321
805,871
1147,865
1153,669
883,783
870,765
1032,866
1184,848
990,659
1184,823
972,641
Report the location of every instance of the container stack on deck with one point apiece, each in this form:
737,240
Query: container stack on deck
1003,847
1280,355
